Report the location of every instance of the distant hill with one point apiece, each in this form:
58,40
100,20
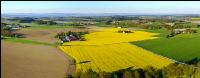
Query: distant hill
58,14
82,14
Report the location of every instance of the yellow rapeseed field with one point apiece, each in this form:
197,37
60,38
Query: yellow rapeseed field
110,36
107,50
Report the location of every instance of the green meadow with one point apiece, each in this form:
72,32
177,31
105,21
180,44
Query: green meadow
182,47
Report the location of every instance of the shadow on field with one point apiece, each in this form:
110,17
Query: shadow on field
20,35
84,62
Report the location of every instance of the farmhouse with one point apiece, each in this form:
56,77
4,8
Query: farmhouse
170,24
13,26
125,31
142,21
119,27
65,39
72,36
183,31
68,38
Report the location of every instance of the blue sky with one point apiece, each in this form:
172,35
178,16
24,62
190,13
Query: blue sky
136,7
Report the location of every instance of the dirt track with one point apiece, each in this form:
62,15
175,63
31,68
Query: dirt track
34,61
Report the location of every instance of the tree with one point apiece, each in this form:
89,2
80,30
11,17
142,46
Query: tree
185,25
151,72
103,74
7,33
153,25
127,74
115,23
48,22
89,74
108,22
26,20
136,74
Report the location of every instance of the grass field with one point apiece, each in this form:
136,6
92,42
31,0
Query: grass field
182,47
195,19
109,51
28,41
39,26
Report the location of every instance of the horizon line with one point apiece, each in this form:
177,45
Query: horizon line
100,13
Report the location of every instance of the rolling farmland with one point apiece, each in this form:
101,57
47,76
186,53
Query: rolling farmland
94,39
109,51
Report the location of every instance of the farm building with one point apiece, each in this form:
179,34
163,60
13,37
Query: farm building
15,28
119,27
183,31
170,24
68,38
72,36
142,21
65,39
125,31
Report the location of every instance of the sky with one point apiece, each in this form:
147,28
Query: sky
135,7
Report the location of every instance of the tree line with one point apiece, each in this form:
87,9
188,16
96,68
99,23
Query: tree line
173,70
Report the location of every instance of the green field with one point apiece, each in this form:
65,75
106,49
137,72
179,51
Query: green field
39,26
182,47
28,41
195,19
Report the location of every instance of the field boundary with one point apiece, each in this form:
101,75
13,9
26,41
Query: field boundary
165,57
